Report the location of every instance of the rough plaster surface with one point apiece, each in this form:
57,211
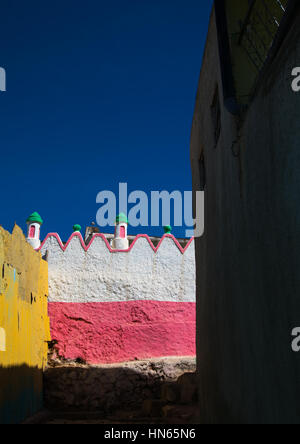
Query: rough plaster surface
248,261
24,327
98,275
118,331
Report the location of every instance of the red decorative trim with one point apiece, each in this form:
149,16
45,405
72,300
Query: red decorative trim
86,247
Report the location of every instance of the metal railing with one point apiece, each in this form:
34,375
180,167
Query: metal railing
260,28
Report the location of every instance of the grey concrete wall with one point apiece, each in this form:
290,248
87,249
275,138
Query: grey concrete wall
248,261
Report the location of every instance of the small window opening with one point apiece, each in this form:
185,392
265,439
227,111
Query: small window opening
32,232
216,116
202,173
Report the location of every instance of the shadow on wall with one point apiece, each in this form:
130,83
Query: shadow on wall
21,393
144,389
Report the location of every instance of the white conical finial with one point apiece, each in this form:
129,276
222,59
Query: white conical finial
120,241
34,223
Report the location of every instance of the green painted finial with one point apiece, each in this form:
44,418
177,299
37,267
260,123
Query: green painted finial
35,218
168,229
121,219
77,228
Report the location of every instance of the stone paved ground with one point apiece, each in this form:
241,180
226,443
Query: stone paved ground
109,389
183,414
161,391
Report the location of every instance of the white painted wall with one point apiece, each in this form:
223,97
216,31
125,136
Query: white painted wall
101,276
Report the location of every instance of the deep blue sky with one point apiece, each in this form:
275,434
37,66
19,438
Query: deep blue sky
97,93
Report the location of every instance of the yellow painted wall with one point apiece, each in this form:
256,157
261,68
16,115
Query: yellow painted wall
24,327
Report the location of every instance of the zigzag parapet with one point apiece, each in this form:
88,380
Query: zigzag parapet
111,250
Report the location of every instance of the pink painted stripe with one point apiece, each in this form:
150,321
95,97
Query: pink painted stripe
86,247
110,332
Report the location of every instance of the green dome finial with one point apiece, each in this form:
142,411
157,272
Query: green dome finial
77,228
121,218
168,229
35,218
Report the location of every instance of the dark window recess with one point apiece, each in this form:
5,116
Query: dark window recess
202,173
216,116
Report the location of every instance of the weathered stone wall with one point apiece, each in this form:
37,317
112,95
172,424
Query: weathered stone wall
131,388
248,261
